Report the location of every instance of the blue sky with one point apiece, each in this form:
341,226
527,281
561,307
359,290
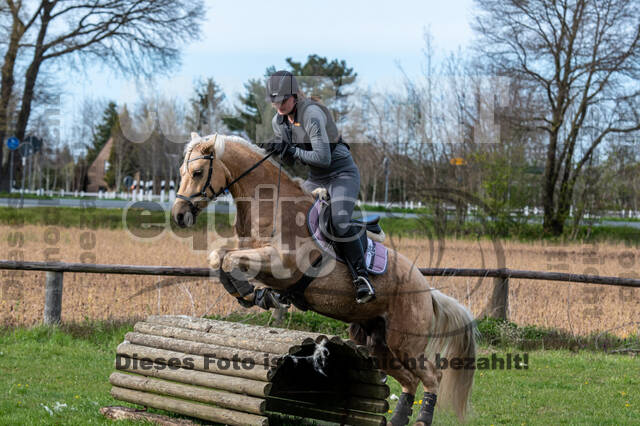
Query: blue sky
241,38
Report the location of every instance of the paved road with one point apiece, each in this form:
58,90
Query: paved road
102,204
213,208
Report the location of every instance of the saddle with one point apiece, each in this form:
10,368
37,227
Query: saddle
319,224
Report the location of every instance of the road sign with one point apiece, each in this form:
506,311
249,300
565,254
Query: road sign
457,161
36,143
25,149
12,143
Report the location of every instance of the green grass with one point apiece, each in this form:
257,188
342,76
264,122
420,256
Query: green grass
422,227
559,387
48,366
619,219
522,232
304,321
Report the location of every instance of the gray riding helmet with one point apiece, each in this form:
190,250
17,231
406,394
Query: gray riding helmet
281,85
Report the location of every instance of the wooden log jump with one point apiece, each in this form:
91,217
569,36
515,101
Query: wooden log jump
239,374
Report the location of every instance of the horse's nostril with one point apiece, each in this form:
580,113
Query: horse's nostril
188,219
180,218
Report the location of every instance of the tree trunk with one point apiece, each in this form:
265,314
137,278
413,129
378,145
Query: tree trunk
550,225
6,91
32,71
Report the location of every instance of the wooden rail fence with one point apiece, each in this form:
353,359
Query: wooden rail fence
498,305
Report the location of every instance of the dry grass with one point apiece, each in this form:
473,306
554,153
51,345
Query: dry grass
577,308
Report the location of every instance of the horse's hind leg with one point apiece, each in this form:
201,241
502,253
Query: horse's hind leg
430,378
393,366
408,348
373,334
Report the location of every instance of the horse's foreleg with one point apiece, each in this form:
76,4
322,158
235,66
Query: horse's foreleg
242,264
267,260
221,247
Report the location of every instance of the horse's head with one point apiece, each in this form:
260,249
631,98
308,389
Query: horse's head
202,175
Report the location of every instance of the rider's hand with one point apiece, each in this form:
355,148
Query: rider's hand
287,152
271,145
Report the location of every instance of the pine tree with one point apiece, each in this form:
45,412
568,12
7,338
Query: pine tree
248,119
327,80
206,108
123,158
102,132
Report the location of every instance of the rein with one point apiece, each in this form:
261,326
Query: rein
207,185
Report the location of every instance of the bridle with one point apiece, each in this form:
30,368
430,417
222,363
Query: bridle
207,185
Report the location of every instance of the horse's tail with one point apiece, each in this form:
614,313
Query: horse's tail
453,335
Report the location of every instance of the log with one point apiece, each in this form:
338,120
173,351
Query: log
211,337
368,391
211,380
128,413
200,363
308,411
336,402
242,403
194,409
373,377
237,329
196,348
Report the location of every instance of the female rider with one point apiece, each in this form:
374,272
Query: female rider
309,135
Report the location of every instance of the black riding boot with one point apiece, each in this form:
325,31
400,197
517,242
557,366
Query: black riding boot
353,252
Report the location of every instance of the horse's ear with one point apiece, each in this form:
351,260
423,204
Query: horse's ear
218,146
214,145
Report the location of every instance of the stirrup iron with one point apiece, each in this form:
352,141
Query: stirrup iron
364,290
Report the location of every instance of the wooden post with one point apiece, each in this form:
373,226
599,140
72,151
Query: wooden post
53,298
499,304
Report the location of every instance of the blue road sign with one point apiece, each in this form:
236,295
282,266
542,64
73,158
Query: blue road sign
12,143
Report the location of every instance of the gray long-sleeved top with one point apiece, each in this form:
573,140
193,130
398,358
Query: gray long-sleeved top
321,161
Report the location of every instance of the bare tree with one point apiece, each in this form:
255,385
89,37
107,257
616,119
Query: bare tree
140,37
581,57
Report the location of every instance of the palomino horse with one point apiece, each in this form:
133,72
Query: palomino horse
408,321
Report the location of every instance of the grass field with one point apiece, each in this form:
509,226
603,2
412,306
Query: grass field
575,308
60,376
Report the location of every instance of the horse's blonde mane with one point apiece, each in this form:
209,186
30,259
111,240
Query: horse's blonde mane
219,141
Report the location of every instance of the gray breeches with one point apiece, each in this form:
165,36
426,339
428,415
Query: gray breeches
343,188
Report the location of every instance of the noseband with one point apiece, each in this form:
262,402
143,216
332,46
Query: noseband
207,185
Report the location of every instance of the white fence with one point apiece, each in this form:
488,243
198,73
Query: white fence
139,195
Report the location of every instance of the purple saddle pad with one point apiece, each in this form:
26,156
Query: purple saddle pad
375,254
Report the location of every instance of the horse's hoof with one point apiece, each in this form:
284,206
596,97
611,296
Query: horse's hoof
215,261
229,263
320,193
